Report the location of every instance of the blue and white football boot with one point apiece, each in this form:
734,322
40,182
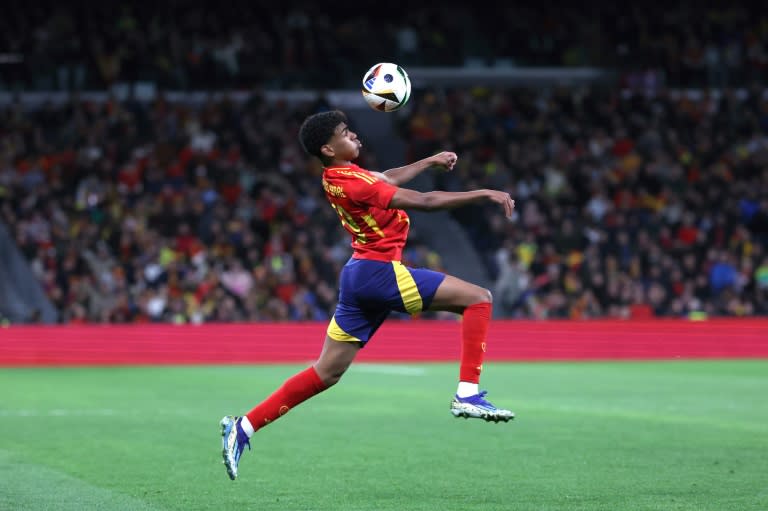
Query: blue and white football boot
476,407
233,440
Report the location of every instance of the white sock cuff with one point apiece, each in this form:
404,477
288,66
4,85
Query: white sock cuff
467,389
247,426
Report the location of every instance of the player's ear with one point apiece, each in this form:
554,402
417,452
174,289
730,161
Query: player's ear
327,151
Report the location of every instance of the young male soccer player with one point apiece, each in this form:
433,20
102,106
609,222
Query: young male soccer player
374,281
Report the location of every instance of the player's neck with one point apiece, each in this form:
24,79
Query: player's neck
339,163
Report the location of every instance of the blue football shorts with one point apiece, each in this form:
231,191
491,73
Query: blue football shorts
370,290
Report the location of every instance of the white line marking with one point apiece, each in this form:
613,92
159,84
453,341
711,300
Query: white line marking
94,412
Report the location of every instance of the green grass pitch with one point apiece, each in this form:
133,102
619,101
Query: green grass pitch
672,435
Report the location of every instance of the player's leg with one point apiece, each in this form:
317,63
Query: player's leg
474,303
349,329
326,371
333,361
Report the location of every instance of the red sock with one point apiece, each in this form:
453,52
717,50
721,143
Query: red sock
296,389
474,330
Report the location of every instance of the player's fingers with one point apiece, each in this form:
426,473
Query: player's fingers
509,206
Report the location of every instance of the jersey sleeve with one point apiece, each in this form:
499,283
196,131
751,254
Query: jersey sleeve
370,191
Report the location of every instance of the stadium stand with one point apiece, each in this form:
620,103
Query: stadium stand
181,46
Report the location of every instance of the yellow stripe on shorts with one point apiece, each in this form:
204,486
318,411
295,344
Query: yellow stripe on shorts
408,290
336,333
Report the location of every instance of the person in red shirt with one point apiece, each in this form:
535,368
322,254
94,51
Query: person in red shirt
370,206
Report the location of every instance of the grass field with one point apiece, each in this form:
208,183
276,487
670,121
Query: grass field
589,436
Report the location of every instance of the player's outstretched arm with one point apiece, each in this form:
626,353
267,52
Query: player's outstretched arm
431,201
401,175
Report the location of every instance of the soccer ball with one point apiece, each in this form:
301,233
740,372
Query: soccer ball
386,87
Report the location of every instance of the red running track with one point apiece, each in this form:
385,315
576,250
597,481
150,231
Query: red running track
397,341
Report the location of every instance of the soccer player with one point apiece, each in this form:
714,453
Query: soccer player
374,282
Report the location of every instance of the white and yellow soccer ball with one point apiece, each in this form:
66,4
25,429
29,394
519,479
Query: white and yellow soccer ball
386,87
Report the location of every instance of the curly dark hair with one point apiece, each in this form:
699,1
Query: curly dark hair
317,130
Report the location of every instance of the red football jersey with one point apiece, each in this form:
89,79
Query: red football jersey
361,200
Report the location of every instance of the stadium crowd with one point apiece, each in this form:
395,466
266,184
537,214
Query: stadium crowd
164,212
627,206
183,46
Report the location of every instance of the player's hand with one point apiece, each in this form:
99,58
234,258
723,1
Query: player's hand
446,159
504,199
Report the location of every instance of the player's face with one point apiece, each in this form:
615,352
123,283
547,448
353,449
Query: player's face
344,143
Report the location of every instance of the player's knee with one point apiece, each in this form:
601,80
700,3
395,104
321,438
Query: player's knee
483,295
477,296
